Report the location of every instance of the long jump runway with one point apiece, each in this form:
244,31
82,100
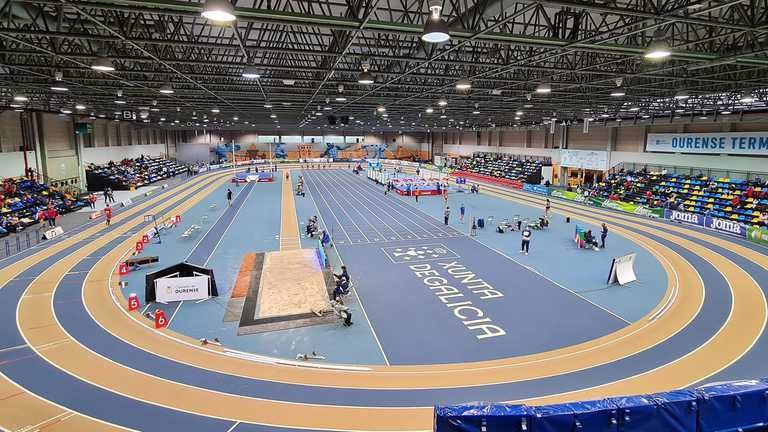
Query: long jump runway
435,295
80,363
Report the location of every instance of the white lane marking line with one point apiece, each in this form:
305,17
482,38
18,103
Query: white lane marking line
233,427
61,417
341,227
359,300
351,194
13,348
174,313
354,192
341,207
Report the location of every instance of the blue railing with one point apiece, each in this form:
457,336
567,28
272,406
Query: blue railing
20,242
724,407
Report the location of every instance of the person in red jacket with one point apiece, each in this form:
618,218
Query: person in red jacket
108,214
51,215
735,201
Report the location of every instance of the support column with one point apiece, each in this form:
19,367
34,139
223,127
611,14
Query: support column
39,141
77,141
611,144
563,136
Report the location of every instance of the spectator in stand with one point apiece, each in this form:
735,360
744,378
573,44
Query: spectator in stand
735,201
764,219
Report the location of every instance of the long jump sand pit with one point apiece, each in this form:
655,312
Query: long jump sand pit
291,292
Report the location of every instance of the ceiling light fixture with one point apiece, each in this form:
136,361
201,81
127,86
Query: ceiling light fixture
618,92
430,110
381,109
442,102
463,84
544,88
365,76
103,64
215,110
218,10
59,87
251,72
682,94
166,89
747,97
80,106
658,48
435,29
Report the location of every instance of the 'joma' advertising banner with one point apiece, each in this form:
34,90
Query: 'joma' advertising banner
739,143
722,225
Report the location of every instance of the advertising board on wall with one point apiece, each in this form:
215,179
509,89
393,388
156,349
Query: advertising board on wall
539,189
738,143
571,196
587,159
717,224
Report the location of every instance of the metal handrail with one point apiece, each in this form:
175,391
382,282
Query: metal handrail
688,170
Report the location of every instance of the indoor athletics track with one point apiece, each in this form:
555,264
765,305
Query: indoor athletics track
72,358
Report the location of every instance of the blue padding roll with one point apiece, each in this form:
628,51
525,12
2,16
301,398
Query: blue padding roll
674,411
738,404
678,410
486,417
590,416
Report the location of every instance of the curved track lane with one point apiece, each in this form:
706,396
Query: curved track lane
177,379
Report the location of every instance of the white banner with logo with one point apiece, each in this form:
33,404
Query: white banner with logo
588,159
739,143
170,289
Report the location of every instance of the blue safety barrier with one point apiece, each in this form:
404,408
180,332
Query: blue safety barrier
595,416
733,405
483,417
725,407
